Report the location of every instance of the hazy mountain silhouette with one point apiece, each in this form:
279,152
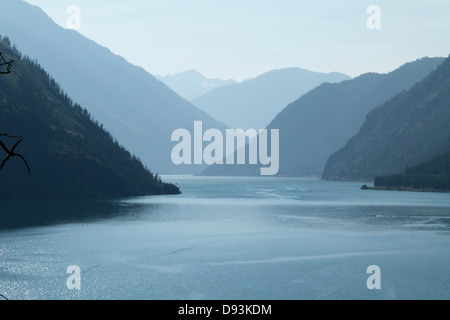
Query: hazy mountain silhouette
411,128
70,155
322,121
192,84
139,110
255,102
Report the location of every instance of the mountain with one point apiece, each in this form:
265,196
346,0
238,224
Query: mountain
70,155
255,102
139,110
409,129
320,122
433,175
191,84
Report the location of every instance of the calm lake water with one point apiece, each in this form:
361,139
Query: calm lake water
232,238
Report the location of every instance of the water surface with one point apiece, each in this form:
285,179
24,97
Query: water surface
231,238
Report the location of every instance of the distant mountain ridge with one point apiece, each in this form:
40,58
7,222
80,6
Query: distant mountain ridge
255,102
70,155
139,110
192,84
320,122
407,130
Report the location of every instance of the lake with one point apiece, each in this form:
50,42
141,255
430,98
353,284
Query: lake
231,238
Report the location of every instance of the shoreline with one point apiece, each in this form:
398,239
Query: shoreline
403,189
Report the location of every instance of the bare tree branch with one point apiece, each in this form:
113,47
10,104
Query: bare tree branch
8,136
10,153
3,62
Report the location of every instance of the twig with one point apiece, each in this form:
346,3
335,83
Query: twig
3,62
8,136
12,154
3,297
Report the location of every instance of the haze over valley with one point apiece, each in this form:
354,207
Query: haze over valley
224,150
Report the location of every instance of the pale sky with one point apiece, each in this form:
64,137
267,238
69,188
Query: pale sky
240,39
